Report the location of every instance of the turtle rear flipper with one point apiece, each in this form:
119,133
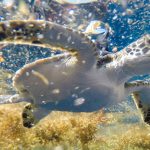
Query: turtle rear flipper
50,79
141,96
31,115
142,101
27,116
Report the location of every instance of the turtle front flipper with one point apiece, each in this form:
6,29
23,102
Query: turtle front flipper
27,116
51,79
32,114
49,35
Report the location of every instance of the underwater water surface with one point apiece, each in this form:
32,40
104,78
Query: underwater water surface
118,127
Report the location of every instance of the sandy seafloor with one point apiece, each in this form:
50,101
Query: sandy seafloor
120,127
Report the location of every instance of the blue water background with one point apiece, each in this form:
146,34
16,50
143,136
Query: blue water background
125,33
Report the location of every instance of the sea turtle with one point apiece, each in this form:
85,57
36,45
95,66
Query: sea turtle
77,80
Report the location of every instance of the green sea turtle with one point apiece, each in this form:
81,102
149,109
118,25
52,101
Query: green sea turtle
78,80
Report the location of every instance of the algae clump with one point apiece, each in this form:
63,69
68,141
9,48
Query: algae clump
67,131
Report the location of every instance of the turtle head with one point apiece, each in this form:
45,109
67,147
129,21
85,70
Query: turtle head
136,57
132,60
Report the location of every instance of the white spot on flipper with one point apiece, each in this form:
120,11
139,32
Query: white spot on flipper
76,88
86,89
64,73
74,96
72,61
27,74
41,77
79,101
69,39
40,36
51,83
83,61
55,91
43,102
